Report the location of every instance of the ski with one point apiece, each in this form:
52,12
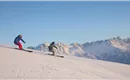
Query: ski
57,55
24,50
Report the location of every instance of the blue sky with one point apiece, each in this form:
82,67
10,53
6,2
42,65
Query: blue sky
67,22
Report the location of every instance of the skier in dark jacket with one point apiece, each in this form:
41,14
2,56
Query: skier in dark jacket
17,41
51,48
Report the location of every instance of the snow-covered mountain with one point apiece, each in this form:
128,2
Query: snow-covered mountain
113,49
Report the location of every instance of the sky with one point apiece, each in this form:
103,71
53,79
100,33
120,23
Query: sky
65,21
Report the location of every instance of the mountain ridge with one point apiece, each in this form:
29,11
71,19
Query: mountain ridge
114,49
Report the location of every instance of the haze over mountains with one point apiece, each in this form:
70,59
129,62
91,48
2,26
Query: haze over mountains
114,49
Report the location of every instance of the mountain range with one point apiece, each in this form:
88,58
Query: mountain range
114,49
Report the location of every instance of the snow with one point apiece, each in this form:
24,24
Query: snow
119,44
15,64
99,49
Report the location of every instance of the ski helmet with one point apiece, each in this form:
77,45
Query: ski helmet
20,35
53,42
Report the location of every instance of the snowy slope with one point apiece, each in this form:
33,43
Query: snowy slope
15,64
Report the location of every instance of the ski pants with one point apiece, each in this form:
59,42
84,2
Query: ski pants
19,45
51,50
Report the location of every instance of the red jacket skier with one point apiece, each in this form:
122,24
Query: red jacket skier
17,41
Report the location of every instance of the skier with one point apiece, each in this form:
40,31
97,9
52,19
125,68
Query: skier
51,48
17,41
